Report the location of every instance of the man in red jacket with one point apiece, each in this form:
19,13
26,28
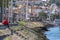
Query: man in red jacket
5,22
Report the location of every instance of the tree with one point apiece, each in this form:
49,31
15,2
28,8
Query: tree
3,4
55,16
55,1
0,10
42,15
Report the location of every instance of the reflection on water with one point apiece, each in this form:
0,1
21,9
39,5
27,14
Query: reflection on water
53,33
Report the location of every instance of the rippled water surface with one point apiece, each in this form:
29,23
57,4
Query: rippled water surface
53,33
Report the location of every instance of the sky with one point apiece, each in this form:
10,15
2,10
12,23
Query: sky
43,0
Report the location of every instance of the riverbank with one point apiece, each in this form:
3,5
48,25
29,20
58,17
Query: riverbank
24,34
33,30
40,28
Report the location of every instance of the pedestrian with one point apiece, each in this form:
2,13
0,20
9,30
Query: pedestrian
6,23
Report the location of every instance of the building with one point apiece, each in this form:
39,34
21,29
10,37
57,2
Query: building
23,5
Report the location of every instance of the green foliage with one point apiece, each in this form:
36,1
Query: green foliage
0,2
5,3
20,26
26,32
21,23
43,15
7,38
54,1
17,28
39,4
54,16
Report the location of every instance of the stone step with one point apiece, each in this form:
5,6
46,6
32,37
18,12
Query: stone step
10,25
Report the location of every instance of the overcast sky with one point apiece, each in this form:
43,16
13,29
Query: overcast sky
44,0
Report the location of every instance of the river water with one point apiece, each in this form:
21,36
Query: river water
53,33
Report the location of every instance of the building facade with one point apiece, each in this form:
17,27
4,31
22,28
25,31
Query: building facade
23,8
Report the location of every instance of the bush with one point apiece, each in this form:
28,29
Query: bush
21,23
7,38
26,32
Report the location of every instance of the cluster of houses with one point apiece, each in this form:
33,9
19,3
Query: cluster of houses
24,9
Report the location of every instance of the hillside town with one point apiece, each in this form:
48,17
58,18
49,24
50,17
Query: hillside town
29,19
25,9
